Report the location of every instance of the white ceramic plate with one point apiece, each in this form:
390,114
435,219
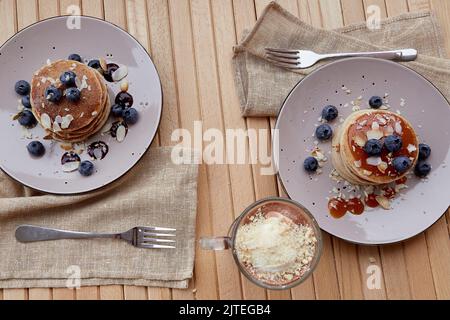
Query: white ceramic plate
416,208
50,39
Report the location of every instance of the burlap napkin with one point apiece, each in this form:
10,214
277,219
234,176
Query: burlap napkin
262,87
155,193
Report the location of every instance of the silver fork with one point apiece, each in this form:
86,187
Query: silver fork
141,237
301,59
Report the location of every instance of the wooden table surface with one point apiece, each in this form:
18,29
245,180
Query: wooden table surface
190,42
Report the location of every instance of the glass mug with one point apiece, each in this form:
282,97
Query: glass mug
297,213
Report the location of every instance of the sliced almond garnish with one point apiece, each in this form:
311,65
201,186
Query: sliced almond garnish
374,134
66,121
46,121
412,148
56,127
121,133
398,128
359,141
103,64
375,126
367,173
382,166
119,74
358,164
373,161
383,202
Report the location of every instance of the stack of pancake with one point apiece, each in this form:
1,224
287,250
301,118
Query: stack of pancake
351,161
65,120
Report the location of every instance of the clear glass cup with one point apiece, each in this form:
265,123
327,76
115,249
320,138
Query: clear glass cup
302,216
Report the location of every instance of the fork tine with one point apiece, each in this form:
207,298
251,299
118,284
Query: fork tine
153,234
283,65
145,240
155,246
281,59
281,50
156,229
283,55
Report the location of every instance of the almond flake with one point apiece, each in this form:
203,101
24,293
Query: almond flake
66,121
46,121
358,164
124,85
373,161
119,74
374,134
398,128
400,187
121,133
71,166
56,127
411,148
94,114
375,126
383,202
103,64
359,141
367,173
382,166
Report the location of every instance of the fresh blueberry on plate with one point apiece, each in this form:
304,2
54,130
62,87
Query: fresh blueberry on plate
330,113
68,78
26,101
373,147
376,102
73,94
131,116
75,57
53,94
86,168
124,99
422,169
393,143
424,151
36,149
95,64
27,119
117,110
22,87
324,132
311,164
401,164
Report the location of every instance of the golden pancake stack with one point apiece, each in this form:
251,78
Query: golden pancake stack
351,161
68,121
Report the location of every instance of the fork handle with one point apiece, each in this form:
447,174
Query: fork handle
400,55
28,233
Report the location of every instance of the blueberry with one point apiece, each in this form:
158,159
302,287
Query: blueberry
27,119
311,164
22,87
373,147
324,132
95,64
424,151
26,102
86,168
393,143
117,110
124,99
401,164
36,149
330,113
53,94
131,116
422,169
75,57
68,78
73,94
376,102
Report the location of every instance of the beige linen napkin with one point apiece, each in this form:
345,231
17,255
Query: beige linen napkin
155,192
262,87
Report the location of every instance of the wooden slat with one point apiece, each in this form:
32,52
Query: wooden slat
415,251
187,91
353,11
63,294
15,294
111,292
419,5
211,110
442,10
48,8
